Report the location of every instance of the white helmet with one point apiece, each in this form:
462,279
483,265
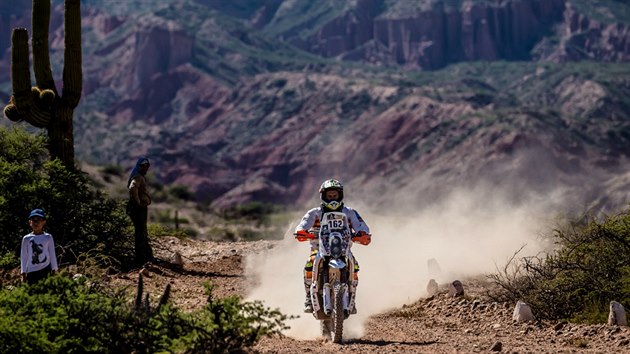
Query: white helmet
328,185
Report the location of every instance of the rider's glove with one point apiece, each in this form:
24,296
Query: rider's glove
362,237
303,235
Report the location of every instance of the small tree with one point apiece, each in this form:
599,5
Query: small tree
41,105
80,217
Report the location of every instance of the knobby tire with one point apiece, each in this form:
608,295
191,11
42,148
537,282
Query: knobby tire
338,315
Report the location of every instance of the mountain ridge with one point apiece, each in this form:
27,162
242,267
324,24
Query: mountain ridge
237,115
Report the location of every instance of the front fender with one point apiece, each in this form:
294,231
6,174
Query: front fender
337,263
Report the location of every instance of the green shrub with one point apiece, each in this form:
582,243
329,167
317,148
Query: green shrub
578,280
277,83
114,170
217,233
229,324
250,235
58,315
188,231
9,260
162,216
158,230
79,217
62,315
181,192
356,103
256,211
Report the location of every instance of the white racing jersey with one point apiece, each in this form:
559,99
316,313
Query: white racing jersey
313,217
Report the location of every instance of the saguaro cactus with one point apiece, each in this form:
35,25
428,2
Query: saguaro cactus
41,105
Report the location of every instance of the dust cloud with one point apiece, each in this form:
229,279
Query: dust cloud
468,233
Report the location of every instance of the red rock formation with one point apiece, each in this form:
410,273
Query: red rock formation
433,38
585,38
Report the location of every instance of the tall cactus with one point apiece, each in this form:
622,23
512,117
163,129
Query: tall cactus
41,105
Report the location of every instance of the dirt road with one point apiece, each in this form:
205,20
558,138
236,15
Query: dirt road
437,324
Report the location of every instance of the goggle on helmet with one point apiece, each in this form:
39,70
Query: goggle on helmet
328,185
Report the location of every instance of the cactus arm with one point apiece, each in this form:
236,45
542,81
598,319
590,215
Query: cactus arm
20,75
11,112
72,75
20,71
26,101
41,57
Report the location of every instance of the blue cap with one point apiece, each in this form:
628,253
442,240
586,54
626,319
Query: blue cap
37,212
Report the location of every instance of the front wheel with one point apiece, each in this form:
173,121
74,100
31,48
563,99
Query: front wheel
338,315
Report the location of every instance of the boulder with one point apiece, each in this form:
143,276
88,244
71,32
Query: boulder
178,260
522,312
617,315
456,289
432,287
496,347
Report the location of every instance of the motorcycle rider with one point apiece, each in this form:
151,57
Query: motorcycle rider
331,195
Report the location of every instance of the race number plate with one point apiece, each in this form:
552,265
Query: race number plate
335,221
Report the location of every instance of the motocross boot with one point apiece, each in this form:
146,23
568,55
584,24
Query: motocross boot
308,303
353,310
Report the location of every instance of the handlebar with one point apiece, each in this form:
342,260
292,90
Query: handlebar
303,235
362,238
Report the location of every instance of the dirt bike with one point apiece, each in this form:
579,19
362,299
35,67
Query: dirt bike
332,290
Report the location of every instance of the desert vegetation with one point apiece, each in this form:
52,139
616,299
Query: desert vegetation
64,314
78,312
587,268
584,269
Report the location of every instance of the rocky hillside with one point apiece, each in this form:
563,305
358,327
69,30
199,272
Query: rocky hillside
261,100
433,37
430,34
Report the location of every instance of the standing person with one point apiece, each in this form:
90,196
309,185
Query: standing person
137,208
331,195
37,256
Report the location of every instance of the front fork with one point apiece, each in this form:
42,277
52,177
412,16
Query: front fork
322,276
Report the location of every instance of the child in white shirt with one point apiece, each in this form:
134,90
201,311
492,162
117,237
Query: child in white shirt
38,257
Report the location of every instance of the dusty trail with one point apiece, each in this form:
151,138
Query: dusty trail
438,324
